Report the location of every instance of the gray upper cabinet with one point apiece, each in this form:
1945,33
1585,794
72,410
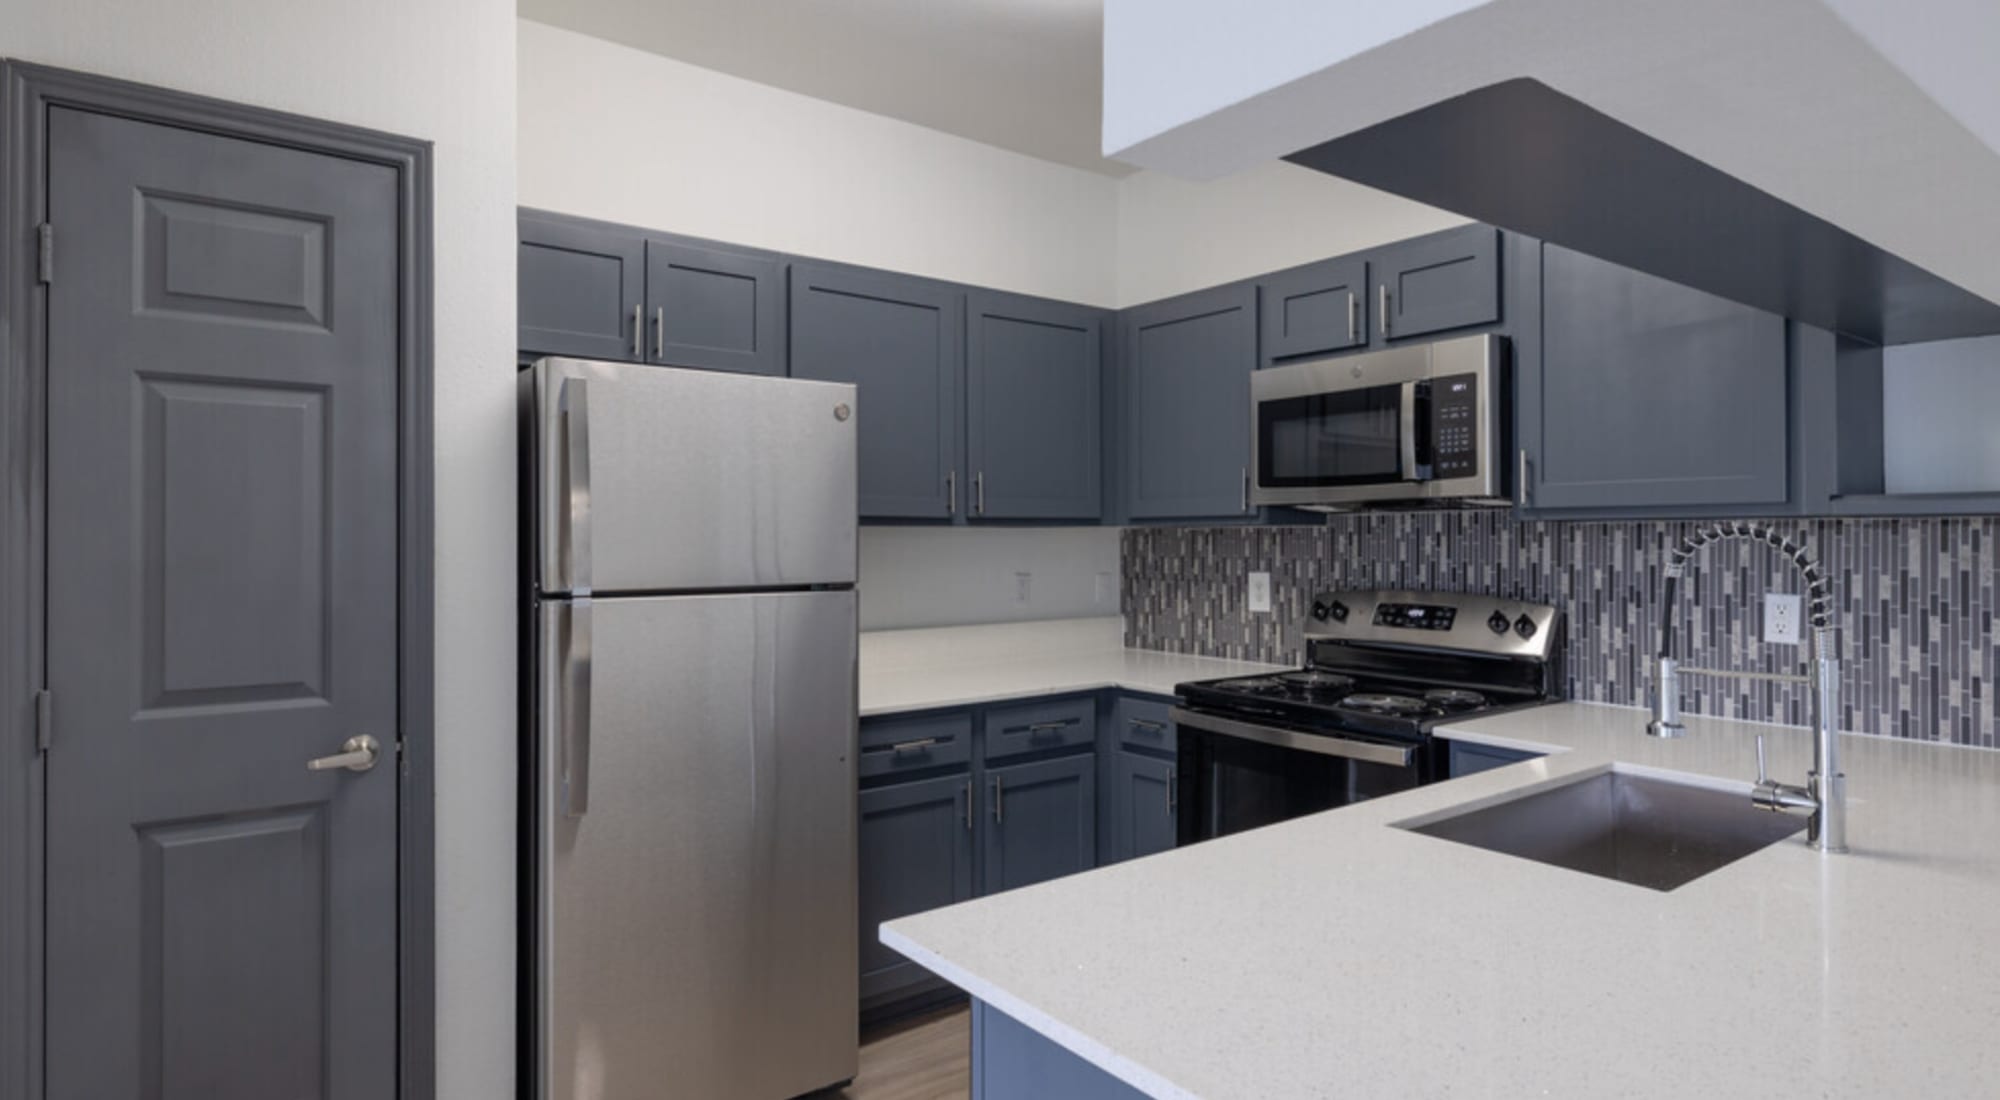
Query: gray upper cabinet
900,339
715,309
1435,283
1650,394
1185,380
1034,381
1314,310
581,287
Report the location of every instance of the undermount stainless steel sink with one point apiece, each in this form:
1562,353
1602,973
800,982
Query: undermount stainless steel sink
1651,832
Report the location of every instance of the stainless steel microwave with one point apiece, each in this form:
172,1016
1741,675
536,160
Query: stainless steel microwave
1420,424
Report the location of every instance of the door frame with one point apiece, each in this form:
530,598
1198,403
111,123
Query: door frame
27,92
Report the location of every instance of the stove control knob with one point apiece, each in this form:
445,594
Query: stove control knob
1498,623
1524,626
1339,611
1321,611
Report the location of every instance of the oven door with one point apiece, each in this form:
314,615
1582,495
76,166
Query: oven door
1325,445
1236,775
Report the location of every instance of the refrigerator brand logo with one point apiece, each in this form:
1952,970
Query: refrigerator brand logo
842,412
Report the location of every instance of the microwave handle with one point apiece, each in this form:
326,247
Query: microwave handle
1409,432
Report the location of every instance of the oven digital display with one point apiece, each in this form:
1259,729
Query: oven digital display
1415,616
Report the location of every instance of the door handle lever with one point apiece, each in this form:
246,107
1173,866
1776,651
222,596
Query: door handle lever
357,754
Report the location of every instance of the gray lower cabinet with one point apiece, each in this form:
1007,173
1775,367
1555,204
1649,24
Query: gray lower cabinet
1144,802
1034,381
916,853
713,308
1185,381
581,288
1435,283
1040,822
900,340
1650,394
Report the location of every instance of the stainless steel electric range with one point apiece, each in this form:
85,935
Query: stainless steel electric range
1383,669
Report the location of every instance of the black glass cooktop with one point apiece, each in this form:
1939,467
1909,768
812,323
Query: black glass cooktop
1323,699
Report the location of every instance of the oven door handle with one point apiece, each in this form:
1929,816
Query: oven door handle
1371,752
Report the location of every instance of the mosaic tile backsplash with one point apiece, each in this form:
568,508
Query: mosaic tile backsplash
1914,602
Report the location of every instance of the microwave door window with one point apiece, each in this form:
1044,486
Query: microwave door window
1352,437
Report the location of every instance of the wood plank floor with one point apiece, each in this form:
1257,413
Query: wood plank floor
923,1058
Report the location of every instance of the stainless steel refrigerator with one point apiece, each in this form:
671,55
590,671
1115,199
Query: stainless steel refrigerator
688,792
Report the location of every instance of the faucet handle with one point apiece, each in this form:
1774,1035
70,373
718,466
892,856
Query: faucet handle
1762,778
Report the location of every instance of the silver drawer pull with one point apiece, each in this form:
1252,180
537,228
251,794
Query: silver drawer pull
918,745
1047,727
1149,725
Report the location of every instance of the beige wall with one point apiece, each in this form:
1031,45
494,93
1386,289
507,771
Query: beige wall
441,70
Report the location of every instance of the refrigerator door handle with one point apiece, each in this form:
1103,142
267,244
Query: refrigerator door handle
573,709
575,409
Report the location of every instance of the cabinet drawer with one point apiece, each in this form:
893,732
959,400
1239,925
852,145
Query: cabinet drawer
898,745
1037,727
1144,724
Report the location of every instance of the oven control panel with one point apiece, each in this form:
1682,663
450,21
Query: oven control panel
1455,426
1415,616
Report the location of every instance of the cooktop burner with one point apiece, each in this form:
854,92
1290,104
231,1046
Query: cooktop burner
1455,699
1317,682
1378,703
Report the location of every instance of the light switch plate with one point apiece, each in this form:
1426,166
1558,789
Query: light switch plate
1259,597
1781,618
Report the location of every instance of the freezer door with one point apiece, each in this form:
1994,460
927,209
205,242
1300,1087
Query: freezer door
697,917
652,479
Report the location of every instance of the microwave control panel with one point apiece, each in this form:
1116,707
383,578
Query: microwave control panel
1455,426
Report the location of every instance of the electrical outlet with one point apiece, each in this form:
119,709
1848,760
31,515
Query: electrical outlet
1259,596
1021,587
1781,618
1102,592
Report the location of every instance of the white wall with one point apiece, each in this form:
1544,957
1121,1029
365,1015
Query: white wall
1175,235
946,576
1938,403
611,132
442,70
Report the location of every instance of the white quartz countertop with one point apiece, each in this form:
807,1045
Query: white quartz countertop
903,670
1338,955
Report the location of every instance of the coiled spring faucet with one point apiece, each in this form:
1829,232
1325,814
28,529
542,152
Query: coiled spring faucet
1825,794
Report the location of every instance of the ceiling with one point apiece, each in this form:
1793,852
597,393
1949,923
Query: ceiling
1025,75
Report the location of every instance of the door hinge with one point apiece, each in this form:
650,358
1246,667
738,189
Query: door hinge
45,252
45,719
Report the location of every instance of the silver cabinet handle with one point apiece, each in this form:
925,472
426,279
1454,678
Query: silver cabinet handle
918,745
1149,725
357,754
999,811
639,331
979,493
951,493
660,332
1353,318
1173,792
572,689
1521,490
1382,321
1246,488
968,805
574,546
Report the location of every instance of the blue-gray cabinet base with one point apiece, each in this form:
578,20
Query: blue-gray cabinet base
1143,797
915,854
1041,822
1012,1062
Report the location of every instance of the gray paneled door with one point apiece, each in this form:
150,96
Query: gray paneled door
222,506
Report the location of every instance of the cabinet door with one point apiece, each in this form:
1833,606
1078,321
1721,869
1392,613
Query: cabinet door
1313,310
1143,805
1040,822
715,309
916,854
1186,379
580,288
1649,393
1033,383
1442,281
899,339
